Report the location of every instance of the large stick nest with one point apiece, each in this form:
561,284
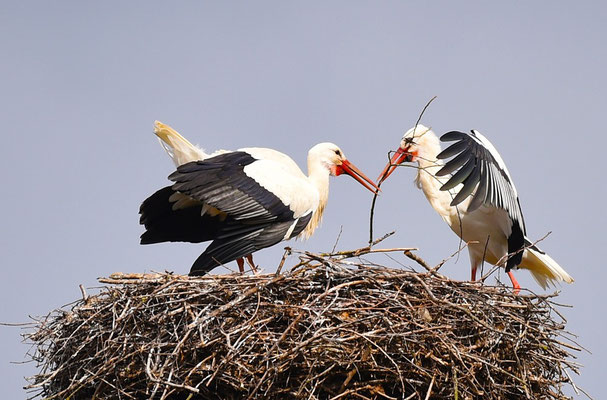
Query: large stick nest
327,329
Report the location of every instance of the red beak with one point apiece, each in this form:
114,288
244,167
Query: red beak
401,155
350,169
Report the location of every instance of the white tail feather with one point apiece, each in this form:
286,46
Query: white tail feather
543,268
177,147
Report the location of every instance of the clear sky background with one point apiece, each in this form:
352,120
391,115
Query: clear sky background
82,83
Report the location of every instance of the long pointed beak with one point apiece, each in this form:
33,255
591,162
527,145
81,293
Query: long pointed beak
398,158
357,174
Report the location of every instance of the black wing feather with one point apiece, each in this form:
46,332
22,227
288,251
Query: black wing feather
455,163
453,135
480,195
163,224
229,248
477,168
221,182
452,150
470,183
460,175
496,183
251,217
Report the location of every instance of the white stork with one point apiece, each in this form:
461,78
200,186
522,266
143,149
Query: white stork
243,200
478,201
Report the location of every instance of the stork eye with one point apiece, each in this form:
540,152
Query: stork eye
338,153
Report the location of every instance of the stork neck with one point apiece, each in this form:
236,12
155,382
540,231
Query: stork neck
318,174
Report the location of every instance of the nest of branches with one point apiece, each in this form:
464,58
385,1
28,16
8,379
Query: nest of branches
329,328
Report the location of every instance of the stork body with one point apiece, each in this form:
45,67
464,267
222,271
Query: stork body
475,195
242,200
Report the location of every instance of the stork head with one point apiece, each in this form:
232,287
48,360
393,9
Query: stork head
414,144
331,157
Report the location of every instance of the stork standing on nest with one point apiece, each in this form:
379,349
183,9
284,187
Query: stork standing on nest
478,201
242,201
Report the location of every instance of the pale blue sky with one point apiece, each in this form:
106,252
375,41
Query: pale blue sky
83,82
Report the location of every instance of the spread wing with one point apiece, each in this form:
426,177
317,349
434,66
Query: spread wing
478,165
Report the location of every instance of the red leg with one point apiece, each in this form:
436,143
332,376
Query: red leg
240,262
251,263
515,285
474,264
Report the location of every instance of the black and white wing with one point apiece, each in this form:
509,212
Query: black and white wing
477,165
222,182
216,199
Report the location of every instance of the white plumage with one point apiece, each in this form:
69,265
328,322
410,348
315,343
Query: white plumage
242,200
475,195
